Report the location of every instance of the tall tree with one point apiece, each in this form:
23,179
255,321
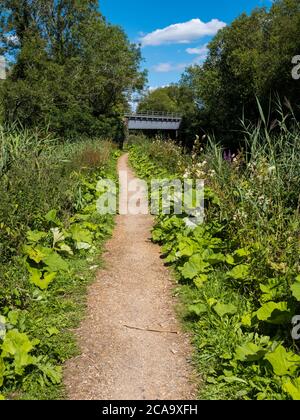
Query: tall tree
247,60
71,69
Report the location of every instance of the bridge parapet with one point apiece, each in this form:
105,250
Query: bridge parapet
157,114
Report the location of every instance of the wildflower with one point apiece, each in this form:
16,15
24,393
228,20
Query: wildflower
271,169
228,156
240,214
200,174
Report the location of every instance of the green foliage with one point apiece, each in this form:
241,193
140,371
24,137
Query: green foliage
239,271
171,98
248,59
70,69
44,267
283,362
274,313
292,388
295,288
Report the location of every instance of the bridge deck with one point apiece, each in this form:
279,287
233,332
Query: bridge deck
153,121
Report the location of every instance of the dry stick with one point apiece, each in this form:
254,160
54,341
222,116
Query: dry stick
150,330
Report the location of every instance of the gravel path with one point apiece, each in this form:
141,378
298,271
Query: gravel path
133,291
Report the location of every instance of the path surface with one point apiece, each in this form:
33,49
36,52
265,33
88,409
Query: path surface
134,289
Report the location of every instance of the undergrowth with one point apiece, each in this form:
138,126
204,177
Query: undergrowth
50,237
239,270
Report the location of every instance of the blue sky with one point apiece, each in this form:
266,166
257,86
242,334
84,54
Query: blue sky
173,33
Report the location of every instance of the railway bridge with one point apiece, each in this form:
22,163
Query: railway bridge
153,120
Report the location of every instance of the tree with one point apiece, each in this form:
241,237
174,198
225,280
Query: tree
248,60
160,99
70,69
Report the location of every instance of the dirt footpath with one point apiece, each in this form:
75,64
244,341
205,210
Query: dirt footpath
121,358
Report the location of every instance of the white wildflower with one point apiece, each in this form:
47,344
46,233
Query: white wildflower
271,169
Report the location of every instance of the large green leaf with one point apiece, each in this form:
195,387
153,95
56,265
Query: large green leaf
197,309
17,345
272,290
292,387
51,217
242,252
214,258
230,259
200,280
36,253
295,288
283,362
274,313
186,248
249,352
222,309
41,280
240,272
194,266
35,236
55,263
80,235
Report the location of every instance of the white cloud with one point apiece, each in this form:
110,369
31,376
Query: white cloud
182,33
152,88
163,67
168,67
201,51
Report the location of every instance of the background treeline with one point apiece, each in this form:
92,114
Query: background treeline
249,59
69,68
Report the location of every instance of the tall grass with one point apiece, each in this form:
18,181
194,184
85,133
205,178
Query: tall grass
262,183
16,143
39,173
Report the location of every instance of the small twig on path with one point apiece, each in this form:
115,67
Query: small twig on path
150,330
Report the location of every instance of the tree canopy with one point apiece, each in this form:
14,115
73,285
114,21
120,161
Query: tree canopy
248,60
173,98
70,69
